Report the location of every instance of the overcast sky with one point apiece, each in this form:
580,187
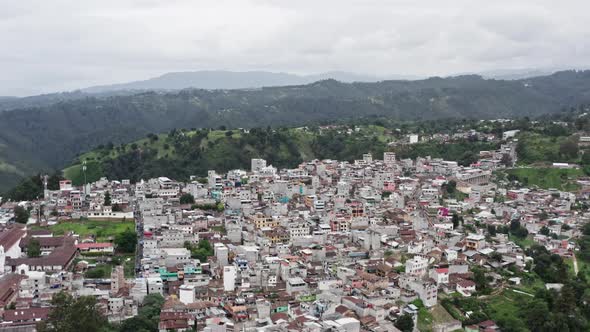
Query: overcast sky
56,45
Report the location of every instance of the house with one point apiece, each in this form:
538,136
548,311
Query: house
23,319
58,260
99,247
440,275
417,266
10,240
466,287
9,285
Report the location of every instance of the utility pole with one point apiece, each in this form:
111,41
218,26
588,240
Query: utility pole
84,170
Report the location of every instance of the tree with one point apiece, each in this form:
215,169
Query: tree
455,220
492,230
107,199
545,231
506,160
569,149
220,207
21,215
467,158
73,315
451,187
126,241
117,208
518,230
34,248
201,251
496,256
148,316
479,277
187,199
405,323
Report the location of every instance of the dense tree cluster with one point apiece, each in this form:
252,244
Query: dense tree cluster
187,199
201,251
21,214
71,314
126,241
148,316
34,248
31,187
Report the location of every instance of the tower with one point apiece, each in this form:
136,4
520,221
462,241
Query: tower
2,260
45,191
117,279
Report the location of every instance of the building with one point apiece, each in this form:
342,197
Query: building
417,266
230,274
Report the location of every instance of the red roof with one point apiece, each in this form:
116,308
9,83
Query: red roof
98,245
10,237
442,270
466,283
26,314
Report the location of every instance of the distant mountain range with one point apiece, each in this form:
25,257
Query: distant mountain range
219,79
49,132
227,80
208,80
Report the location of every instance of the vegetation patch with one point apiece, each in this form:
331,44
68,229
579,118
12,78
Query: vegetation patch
545,177
101,230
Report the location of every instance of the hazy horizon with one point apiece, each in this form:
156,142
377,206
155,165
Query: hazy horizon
63,46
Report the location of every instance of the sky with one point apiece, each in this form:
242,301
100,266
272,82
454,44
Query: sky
49,46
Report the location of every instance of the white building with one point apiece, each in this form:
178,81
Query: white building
417,266
256,165
230,274
187,294
295,285
174,256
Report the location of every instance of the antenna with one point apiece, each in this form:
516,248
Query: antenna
45,193
84,170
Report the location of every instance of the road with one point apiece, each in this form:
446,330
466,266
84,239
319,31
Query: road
139,230
575,260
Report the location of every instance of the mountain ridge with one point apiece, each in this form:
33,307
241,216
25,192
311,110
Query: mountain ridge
49,137
227,80
223,79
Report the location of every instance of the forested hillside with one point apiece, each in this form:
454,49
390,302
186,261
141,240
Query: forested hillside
180,154
49,137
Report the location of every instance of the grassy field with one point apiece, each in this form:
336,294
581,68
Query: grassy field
440,315
103,230
100,271
530,283
129,266
527,242
75,173
583,267
504,308
425,318
544,177
535,148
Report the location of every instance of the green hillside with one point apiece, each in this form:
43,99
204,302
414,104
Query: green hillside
50,135
182,153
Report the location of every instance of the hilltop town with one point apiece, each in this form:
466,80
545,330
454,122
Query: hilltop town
378,244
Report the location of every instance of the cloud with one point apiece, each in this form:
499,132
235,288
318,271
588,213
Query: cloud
62,45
